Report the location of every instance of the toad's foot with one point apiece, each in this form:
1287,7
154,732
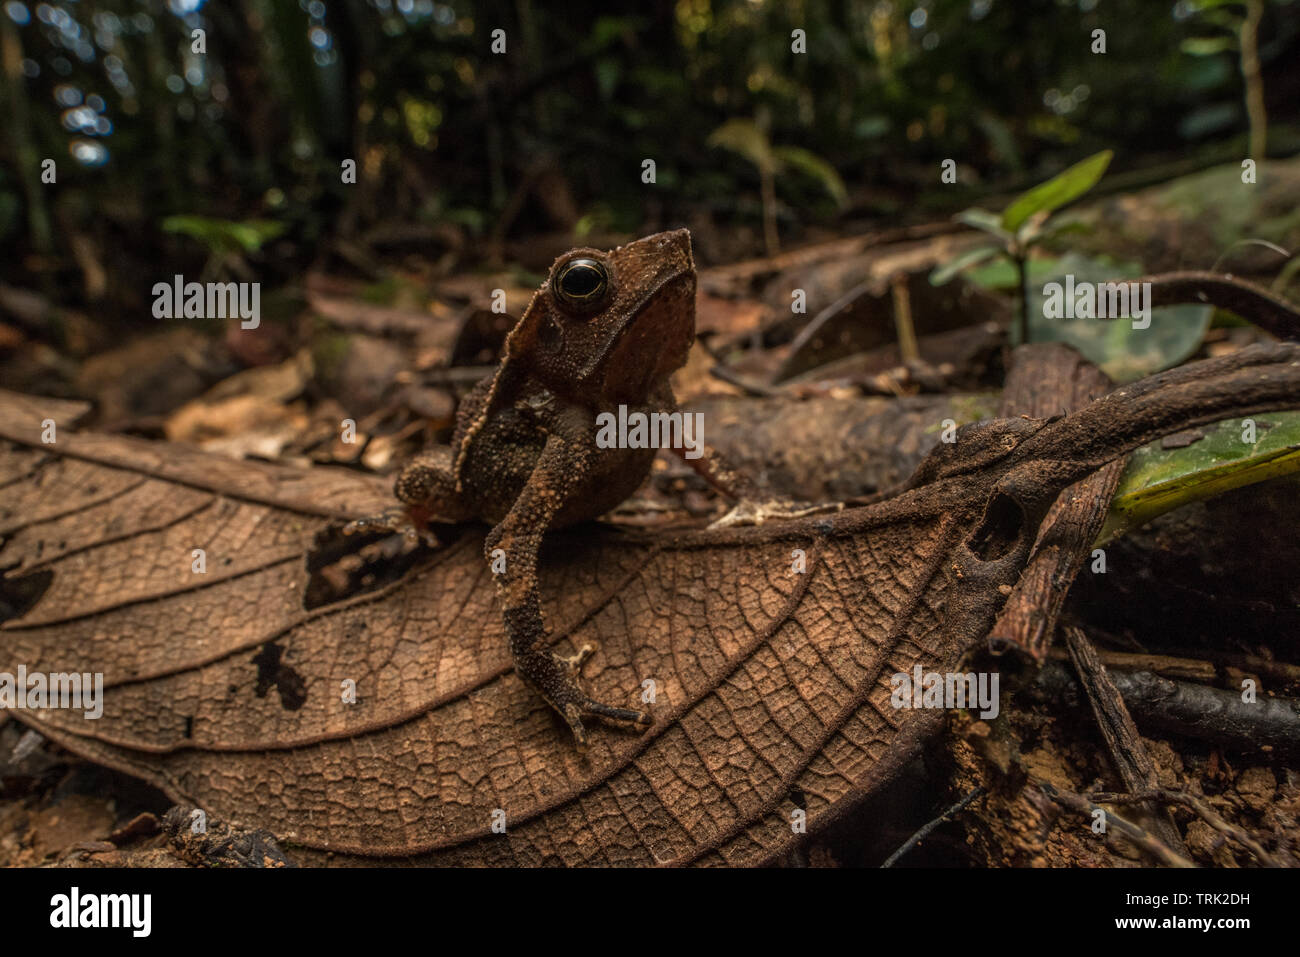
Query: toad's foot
399,520
747,512
556,678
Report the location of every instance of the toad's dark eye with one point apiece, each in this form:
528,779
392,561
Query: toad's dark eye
582,283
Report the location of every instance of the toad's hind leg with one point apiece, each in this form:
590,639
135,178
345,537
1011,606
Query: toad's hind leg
512,550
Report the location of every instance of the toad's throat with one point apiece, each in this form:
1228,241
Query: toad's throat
651,342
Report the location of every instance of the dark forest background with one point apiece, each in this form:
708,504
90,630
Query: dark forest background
227,162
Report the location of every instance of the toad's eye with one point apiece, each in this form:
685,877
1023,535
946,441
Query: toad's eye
582,283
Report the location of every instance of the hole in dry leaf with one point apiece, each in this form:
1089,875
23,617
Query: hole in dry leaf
1000,530
342,566
273,673
18,595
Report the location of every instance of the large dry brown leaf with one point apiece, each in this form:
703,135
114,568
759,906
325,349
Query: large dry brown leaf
224,689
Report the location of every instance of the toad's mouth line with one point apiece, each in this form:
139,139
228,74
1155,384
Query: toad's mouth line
620,334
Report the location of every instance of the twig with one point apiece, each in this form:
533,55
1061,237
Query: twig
1286,256
1127,752
731,377
1143,840
1270,312
1195,711
804,336
1022,270
1204,670
1203,810
903,328
1248,42
920,835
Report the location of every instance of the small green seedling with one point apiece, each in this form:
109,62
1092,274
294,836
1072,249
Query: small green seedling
1024,224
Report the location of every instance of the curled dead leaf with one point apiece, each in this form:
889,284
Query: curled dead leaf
768,650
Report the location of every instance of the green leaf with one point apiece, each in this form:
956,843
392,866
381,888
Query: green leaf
1123,352
1157,480
971,257
816,167
608,71
607,31
744,137
1207,46
982,219
1040,228
1060,227
871,127
1057,191
223,235
1001,274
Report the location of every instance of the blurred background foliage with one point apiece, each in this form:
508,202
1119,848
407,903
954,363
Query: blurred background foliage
170,160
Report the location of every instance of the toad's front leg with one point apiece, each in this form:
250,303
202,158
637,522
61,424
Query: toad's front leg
426,486
558,475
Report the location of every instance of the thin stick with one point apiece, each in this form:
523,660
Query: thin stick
1022,268
1127,752
1206,813
908,350
920,835
1143,840
1270,312
1159,705
1204,670
1256,117
731,377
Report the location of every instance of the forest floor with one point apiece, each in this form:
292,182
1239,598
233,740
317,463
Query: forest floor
837,413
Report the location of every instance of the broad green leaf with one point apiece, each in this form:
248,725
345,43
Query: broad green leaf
972,257
1039,229
1157,480
1057,191
816,167
1123,352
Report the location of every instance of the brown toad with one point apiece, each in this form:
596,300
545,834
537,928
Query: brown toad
605,329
